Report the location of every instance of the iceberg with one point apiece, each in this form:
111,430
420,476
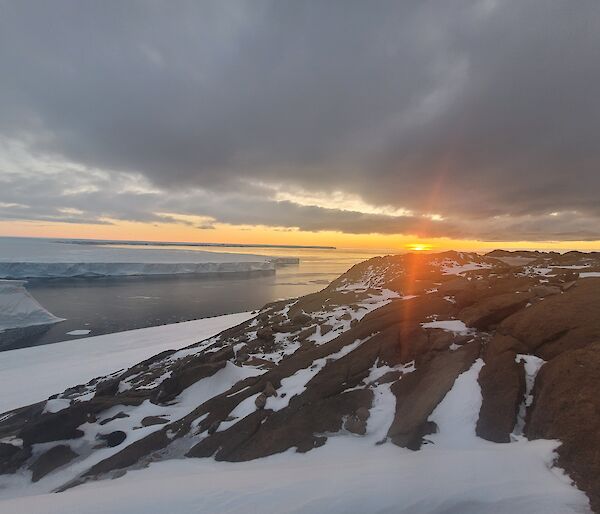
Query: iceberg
19,309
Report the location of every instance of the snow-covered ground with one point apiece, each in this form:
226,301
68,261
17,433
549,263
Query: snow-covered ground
29,258
456,473
30,375
19,309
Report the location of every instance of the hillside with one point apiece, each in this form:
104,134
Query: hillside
462,361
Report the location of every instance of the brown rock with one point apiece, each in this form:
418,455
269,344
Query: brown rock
356,425
566,406
264,333
54,458
542,291
363,413
269,390
491,311
502,382
558,323
261,401
325,329
301,319
418,393
149,421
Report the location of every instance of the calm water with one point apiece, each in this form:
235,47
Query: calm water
105,305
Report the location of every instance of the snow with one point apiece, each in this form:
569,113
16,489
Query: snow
78,332
457,414
457,473
296,384
29,258
454,268
61,365
349,474
589,274
19,309
451,325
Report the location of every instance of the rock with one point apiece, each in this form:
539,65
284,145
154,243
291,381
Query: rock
118,415
261,401
269,390
362,413
542,291
54,458
390,376
566,406
418,393
113,439
149,421
559,323
108,387
301,319
264,333
214,426
325,329
54,426
356,425
502,383
7,451
491,311
346,317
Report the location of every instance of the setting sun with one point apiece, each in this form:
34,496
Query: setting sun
419,247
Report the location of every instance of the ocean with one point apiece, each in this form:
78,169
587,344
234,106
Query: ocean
101,305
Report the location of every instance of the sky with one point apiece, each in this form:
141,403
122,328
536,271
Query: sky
451,123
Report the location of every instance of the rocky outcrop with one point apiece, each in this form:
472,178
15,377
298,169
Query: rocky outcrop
305,369
418,393
502,382
566,406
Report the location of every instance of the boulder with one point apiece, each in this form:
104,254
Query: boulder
356,425
113,439
54,458
264,333
149,421
269,390
108,387
261,401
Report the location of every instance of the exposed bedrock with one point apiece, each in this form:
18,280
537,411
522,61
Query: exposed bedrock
566,406
502,382
304,369
419,393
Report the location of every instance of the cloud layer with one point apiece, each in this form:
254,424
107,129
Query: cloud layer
483,113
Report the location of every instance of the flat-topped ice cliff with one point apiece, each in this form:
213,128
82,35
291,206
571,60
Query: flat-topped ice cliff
31,258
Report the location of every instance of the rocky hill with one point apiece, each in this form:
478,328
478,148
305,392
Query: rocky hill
388,338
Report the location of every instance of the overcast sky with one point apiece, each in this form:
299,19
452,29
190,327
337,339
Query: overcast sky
466,119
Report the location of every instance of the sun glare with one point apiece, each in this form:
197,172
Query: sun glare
419,247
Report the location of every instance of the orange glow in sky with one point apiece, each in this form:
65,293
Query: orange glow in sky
224,233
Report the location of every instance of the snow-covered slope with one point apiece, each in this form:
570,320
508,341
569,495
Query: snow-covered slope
29,258
448,383
29,375
19,309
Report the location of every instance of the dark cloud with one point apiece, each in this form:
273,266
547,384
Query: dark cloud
485,112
